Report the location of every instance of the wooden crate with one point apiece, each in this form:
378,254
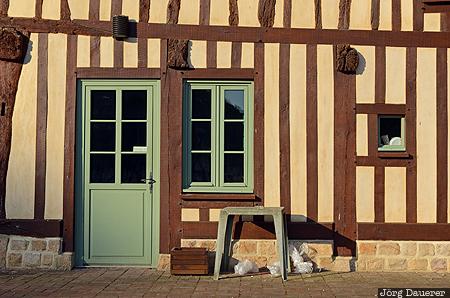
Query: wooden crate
189,261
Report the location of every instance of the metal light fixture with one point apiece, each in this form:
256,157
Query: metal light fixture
120,27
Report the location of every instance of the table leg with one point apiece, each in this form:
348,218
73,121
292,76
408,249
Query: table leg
279,227
221,231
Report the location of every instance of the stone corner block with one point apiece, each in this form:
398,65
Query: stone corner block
18,244
54,245
38,245
164,262
388,249
14,260
31,259
64,262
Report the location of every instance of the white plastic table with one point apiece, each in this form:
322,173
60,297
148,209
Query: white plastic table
224,235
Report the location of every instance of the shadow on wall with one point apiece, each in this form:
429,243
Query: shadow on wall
362,64
28,55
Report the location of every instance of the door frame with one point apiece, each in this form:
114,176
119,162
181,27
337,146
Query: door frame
79,164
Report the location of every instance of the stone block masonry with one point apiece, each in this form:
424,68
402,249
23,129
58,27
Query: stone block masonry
402,256
18,252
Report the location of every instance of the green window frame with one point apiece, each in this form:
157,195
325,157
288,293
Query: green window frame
217,182
398,148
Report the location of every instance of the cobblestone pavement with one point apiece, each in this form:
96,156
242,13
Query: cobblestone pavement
141,282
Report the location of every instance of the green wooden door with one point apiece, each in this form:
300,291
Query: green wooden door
120,171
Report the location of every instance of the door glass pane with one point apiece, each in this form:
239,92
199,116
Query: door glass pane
234,136
201,104
103,136
133,168
201,135
103,105
102,168
201,167
133,134
234,168
134,105
234,104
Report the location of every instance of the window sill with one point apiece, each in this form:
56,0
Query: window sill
394,154
217,197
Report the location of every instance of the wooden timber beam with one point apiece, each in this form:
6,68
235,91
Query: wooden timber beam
238,33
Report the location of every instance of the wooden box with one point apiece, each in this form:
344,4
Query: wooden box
189,261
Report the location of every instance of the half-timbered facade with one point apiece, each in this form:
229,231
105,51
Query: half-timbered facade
124,149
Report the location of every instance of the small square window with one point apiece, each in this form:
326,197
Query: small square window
391,133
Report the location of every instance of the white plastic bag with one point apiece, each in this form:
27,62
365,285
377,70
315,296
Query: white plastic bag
275,269
245,267
300,265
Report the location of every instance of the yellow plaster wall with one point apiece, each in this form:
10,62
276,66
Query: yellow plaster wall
22,160
130,53
330,14
51,9
297,118
197,53
189,12
130,8
271,126
214,214
21,8
79,9
407,15
223,54
303,14
360,13
395,194
106,52
57,49
385,15
248,13
278,22
83,51
365,189
426,135
395,75
362,136
158,11
219,12
432,22
154,52
365,79
105,10
325,129
247,58
190,214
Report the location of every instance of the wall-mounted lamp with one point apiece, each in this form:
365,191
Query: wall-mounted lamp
120,27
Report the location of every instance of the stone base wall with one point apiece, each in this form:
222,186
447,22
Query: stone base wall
264,252
398,256
18,252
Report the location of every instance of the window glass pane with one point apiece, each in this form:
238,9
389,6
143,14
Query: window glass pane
201,135
234,168
390,131
103,136
234,136
201,167
133,168
102,168
201,104
103,105
234,104
134,105
133,134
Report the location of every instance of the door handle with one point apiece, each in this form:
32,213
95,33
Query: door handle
149,180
